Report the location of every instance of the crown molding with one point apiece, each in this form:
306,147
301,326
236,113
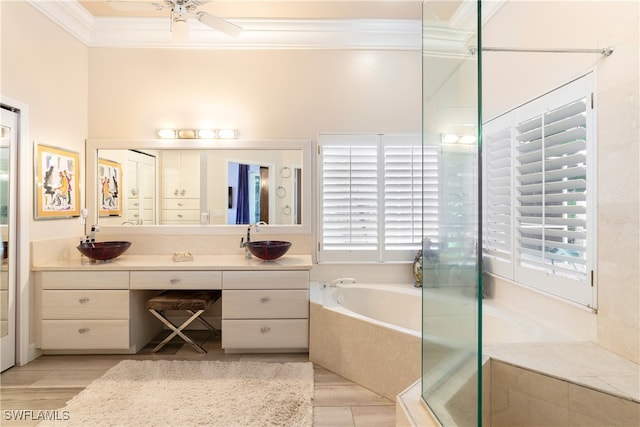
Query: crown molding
381,34
68,14
263,34
257,34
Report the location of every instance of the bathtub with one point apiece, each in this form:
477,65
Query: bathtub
367,333
372,333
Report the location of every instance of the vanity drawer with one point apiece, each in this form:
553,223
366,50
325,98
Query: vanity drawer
92,304
180,204
134,204
177,215
85,334
262,334
269,304
134,215
176,279
266,280
84,280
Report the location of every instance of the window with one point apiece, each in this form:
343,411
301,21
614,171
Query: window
539,193
371,199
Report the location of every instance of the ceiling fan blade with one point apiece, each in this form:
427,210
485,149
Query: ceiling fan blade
219,24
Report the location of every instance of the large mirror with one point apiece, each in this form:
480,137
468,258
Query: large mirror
221,185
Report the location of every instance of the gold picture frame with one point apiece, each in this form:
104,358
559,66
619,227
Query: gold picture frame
109,180
57,189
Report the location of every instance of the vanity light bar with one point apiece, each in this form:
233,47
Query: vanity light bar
197,133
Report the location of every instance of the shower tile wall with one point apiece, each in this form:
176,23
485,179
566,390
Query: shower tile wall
520,397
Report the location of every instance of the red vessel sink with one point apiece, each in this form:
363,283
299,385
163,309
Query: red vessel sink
102,251
268,249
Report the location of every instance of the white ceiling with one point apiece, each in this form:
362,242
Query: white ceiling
293,24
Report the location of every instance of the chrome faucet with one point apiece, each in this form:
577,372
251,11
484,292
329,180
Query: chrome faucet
243,243
94,230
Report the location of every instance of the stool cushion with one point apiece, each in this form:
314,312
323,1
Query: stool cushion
183,300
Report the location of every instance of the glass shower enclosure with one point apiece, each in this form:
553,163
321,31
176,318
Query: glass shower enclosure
452,288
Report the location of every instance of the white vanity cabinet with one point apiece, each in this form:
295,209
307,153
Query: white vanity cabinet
265,311
82,310
101,307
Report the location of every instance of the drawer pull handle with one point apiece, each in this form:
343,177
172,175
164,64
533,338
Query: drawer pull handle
174,281
83,330
265,300
83,300
265,329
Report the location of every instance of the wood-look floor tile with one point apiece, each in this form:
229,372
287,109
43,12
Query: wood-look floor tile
347,395
374,416
332,416
78,378
48,382
16,377
325,377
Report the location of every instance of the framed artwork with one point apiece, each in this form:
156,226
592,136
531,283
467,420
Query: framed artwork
109,180
57,189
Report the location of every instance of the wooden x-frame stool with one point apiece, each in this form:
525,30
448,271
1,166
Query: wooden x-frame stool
194,302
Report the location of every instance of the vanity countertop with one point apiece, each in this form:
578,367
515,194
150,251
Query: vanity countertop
166,262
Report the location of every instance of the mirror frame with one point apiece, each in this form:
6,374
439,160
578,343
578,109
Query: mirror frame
91,176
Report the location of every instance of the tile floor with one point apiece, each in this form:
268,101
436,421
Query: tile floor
51,380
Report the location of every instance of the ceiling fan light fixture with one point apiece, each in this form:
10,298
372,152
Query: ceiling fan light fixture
180,31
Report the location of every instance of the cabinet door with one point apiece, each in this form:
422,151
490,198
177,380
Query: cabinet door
170,173
190,174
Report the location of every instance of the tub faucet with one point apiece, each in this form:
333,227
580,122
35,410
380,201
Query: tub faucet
341,281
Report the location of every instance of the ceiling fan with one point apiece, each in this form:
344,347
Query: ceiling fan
181,12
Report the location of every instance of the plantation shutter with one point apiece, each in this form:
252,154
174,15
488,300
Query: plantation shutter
497,230
371,202
403,180
431,193
552,199
349,204
551,192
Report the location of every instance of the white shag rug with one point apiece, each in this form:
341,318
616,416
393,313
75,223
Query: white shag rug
137,393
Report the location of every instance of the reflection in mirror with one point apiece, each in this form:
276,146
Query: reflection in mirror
251,194
198,185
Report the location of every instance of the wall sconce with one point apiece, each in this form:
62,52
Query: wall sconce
197,133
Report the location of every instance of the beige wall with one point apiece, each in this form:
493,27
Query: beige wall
45,68
510,79
265,94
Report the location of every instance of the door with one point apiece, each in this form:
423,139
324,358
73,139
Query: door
8,203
